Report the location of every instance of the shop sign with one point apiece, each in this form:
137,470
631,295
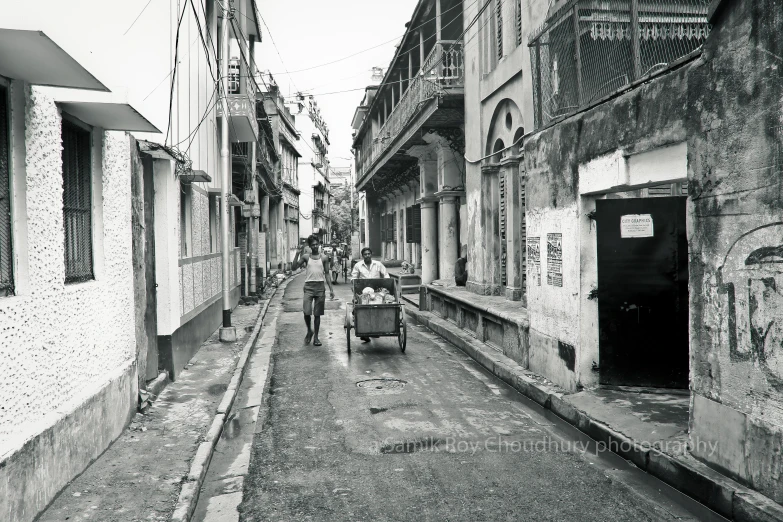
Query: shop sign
636,225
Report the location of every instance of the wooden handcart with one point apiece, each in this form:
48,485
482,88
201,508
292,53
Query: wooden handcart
376,320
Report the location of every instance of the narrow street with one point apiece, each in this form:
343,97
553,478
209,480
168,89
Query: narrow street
445,442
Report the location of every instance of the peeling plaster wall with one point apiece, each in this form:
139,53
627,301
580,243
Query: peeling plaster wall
727,106
62,344
736,217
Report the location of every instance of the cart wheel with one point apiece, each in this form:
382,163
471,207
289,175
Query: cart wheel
403,337
348,338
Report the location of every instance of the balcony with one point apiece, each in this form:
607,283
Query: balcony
619,44
243,126
433,97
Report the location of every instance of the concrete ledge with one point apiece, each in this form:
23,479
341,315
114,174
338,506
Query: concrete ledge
188,497
31,477
718,492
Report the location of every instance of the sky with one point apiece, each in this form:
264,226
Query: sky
317,32
136,57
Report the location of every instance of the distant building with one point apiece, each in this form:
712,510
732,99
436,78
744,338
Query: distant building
340,177
314,169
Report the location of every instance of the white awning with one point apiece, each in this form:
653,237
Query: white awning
33,57
111,111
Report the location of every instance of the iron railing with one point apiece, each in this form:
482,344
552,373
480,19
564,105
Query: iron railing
619,42
443,69
77,203
6,252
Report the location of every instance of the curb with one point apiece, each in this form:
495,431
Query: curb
684,473
191,486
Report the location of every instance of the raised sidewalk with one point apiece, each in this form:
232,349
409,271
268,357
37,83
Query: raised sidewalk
646,427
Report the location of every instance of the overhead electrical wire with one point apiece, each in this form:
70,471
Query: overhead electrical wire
174,71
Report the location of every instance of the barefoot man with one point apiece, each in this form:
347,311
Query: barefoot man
316,270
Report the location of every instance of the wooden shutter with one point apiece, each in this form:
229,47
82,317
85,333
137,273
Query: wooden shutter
409,225
416,219
394,226
362,232
383,228
499,21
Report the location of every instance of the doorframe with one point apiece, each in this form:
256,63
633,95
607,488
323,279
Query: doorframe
613,173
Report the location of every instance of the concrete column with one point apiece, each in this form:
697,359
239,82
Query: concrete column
515,246
486,279
448,236
281,239
429,241
264,227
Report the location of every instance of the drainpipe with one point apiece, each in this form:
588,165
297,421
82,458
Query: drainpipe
227,333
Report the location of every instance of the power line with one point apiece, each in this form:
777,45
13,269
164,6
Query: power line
137,18
174,72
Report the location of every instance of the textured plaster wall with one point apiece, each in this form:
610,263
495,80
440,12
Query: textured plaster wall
62,343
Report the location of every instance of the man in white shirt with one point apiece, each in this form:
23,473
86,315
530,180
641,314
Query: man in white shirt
368,269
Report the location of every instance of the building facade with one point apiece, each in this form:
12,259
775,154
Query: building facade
71,373
282,225
409,144
314,170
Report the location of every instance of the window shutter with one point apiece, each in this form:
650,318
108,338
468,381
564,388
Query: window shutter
6,243
416,215
383,228
77,203
361,229
499,21
394,227
409,225
519,22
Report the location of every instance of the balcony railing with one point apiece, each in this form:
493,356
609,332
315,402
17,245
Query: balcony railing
242,110
443,69
618,43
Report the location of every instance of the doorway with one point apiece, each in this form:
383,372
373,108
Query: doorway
642,253
151,310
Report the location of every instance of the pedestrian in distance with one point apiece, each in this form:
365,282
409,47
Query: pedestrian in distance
368,268
316,265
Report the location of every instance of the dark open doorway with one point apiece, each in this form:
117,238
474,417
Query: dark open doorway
643,292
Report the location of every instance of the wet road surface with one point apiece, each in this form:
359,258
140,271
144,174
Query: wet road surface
424,435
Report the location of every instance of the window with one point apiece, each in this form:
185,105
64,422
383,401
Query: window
413,224
185,220
77,202
6,245
518,21
361,229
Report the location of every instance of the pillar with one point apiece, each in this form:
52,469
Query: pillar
515,241
429,241
448,236
282,236
264,227
487,257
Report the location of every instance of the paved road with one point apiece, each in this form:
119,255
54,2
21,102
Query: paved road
449,443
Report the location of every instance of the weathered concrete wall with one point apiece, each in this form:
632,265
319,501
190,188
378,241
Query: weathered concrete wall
726,107
62,345
736,221
563,339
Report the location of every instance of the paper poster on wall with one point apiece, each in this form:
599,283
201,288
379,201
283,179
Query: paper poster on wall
554,259
534,260
636,225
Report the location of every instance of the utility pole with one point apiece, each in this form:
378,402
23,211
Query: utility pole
228,333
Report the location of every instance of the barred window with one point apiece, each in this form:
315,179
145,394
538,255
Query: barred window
77,203
6,245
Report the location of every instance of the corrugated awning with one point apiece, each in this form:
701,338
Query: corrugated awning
33,57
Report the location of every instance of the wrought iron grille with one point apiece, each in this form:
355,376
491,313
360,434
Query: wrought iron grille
499,27
619,42
77,203
6,252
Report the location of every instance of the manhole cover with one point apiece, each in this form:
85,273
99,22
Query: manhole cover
382,384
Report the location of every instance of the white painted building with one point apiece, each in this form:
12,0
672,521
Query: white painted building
314,170
68,349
